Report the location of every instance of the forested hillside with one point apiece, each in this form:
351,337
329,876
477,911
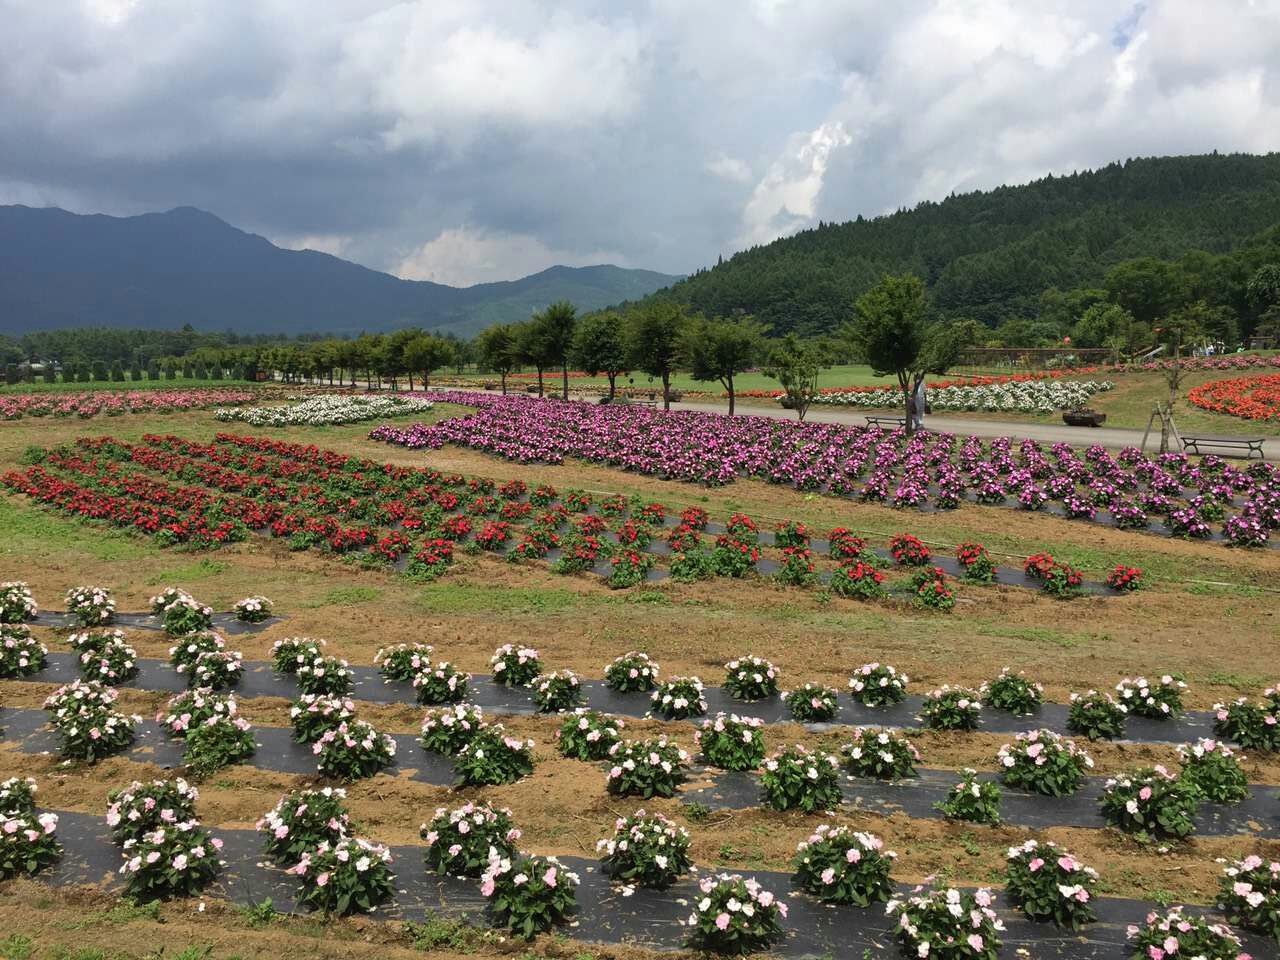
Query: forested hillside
993,255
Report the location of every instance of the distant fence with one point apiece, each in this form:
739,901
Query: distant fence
1029,358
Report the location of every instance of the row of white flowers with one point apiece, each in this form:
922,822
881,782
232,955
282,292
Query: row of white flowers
1035,396
324,410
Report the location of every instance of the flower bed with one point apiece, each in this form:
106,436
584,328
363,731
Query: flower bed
113,403
326,410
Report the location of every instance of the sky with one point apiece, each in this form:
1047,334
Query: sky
464,141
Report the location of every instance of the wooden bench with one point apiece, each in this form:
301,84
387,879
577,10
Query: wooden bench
887,423
1240,445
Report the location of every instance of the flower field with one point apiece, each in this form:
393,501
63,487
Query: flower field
424,697
114,403
325,410
1031,396
1250,398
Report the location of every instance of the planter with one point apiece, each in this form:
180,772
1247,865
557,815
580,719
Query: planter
1084,418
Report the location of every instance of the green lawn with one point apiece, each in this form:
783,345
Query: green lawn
846,375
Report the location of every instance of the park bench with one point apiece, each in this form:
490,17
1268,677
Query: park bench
1240,445
887,423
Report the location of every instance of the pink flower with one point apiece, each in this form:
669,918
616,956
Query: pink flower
322,880
549,878
722,921
1144,793
975,941
486,888
1035,864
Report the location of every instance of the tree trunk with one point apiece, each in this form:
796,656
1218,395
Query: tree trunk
411,381
504,382
564,372
426,379
666,389
729,385
905,382
539,381
613,379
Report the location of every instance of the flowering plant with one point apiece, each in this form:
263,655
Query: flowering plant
797,568
791,533
253,609
529,894
166,597
882,754
951,708
449,729
750,678
1123,578
1213,768
931,590
1012,692
556,691
631,672
1159,701
1254,726
188,710
432,559
1062,581
27,841
290,654
324,675
812,703
184,653
1150,801
178,859
20,654
1096,716
961,926
734,556
1250,894
974,800
588,735
1043,761
440,682
302,820
1174,934
462,841
346,875
91,606
859,580
878,684
800,779
731,742
515,666
218,742
691,564
142,807
630,567
493,757
839,865
908,551
646,768
843,544
1050,885
977,563
217,669
403,661
18,795
353,750
579,552
734,915
312,715
183,614
112,662
88,726
679,698
645,849
17,605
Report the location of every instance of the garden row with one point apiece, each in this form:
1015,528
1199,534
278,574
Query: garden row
314,498
1035,396
326,410
939,471
113,403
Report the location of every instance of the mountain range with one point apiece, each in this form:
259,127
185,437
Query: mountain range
161,270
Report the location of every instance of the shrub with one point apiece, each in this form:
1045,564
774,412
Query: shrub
588,735
529,894
183,614
462,841
89,728
176,860
1012,692
799,779
750,678
353,750
441,682
404,661
1050,886
1151,802
1250,894
646,850
839,865
882,754
963,922
313,715
731,742
91,606
859,580
290,654
17,605
324,675
492,757
632,672
878,685
646,768
1213,768
1096,716
217,670
218,742
1176,934
1252,726
345,876
630,567
951,708
21,655
678,699
28,842
253,609
1045,762
140,807
303,820
1123,579
720,922
515,666
812,703
450,729
973,800
557,691
977,563
1157,701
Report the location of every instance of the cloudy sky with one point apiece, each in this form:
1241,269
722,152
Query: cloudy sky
471,140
